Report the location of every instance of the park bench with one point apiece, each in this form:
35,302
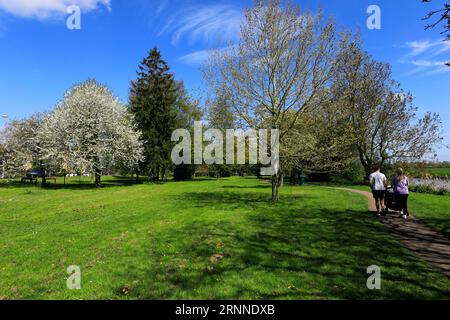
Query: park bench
30,179
51,178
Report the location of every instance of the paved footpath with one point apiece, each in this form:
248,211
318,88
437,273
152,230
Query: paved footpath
420,239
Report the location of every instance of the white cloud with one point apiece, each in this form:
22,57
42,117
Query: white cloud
208,24
423,55
429,67
428,63
418,47
45,9
195,58
433,48
198,57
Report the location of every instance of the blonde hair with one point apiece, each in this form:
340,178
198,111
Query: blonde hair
400,174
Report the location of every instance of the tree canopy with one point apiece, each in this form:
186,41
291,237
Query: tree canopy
90,131
277,69
160,104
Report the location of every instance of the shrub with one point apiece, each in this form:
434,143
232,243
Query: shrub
183,172
431,186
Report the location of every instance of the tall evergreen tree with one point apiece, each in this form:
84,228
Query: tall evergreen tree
153,98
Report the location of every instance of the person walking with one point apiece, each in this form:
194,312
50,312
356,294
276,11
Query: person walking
378,184
401,191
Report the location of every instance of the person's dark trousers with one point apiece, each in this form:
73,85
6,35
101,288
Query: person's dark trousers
403,203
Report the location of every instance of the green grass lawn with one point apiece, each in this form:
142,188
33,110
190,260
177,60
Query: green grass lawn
432,209
206,239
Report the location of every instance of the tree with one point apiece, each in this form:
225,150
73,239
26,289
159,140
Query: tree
153,100
278,67
220,116
19,146
220,113
443,15
319,141
187,111
90,131
383,120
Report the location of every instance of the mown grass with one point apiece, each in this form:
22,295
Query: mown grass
205,239
433,210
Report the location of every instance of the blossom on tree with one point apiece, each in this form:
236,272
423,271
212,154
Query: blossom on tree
90,131
19,151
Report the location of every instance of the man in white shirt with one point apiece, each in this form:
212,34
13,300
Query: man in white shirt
378,183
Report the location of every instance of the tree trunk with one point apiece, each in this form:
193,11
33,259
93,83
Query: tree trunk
368,171
276,182
137,175
98,178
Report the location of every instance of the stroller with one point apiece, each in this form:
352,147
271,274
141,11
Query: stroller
390,202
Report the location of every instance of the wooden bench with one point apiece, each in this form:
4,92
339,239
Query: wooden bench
30,179
51,178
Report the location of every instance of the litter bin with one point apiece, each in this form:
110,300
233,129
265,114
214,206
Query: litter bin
301,180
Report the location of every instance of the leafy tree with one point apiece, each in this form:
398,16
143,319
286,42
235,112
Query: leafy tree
90,131
220,113
220,116
19,146
187,111
383,119
282,61
153,98
319,142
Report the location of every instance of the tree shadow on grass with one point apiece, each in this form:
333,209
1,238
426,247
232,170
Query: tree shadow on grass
108,182
73,184
284,250
259,186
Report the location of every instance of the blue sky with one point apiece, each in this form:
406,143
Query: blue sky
40,57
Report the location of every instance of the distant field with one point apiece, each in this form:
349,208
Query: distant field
441,172
436,172
205,239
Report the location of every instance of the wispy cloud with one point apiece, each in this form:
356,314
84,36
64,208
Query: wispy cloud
427,63
162,5
46,9
206,24
198,57
427,56
432,48
195,58
418,47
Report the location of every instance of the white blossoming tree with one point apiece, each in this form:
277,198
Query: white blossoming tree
90,131
19,150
